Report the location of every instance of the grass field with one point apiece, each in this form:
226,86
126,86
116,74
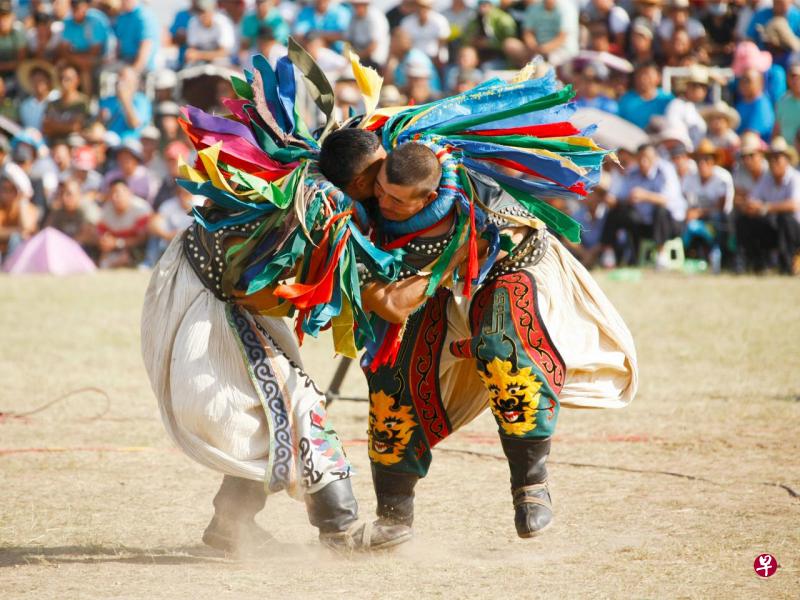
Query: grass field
673,497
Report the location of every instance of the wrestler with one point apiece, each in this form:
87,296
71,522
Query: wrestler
234,396
537,334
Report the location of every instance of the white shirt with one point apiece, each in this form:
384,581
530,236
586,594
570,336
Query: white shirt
176,218
372,28
682,113
706,194
694,28
221,34
427,37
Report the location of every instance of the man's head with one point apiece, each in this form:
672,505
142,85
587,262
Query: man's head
69,195
120,195
80,8
751,84
407,181
350,159
646,78
780,157
646,157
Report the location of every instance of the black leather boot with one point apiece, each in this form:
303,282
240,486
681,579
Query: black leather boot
395,494
533,509
334,511
233,528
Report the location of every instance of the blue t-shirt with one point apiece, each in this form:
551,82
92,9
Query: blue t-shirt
774,84
115,119
603,103
273,20
336,19
764,16
638,111
416,56
181,23
131,29
94,29
757,116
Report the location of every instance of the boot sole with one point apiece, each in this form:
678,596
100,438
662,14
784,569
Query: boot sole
533,534
400,539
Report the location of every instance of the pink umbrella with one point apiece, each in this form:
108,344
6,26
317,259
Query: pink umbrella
49,251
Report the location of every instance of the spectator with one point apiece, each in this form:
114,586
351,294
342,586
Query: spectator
401,55
765,19
327,19
650,205
8,106
45,37
590,88
151,158
679,18
128,111
131,169
544,31
70,216
235,11
678,49
684,111
138,36
770,220
167,114
29,152
62,157
489,30
615,18
682,162
12,40
459,15
642,41
122,229
100,140
396,15
70,111
722,120
590,213
754,107
418,87
646,99
467,64
18,217
83,172
751,167
429,31
268,46
709,193
333,64
719,21
265,15
178,30
600,39
37,79
169,184
165,84
787,111
368,34
85,41
210,36
747,56
171,218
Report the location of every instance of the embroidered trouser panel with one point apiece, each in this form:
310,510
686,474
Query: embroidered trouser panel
453,364
305,453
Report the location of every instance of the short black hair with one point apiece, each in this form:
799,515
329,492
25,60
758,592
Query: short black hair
413,164
344,154
118,181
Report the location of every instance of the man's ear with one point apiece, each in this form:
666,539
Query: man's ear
431,197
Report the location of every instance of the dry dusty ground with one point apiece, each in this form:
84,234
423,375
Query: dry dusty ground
112,511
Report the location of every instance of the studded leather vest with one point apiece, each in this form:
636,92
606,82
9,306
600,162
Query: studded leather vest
205,251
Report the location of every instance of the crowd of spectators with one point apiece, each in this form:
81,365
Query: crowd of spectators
90,89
